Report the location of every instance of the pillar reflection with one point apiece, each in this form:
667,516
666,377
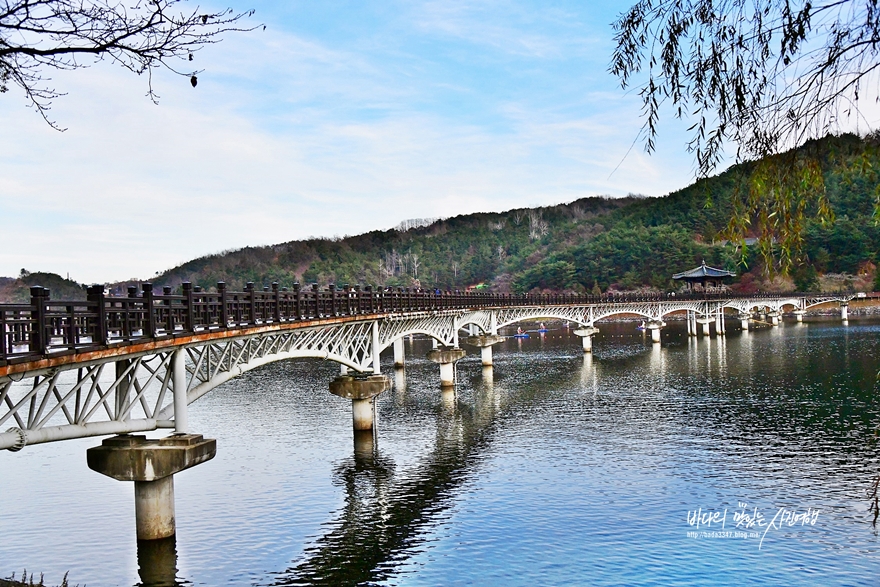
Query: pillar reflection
658,362
722,355
399,381
364,446
447,399
157,562
488,375
589,378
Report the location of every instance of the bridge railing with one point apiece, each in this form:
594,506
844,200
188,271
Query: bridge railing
48,327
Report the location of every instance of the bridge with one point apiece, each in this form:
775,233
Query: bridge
117,365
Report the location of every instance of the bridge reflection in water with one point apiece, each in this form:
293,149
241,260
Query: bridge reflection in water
386,517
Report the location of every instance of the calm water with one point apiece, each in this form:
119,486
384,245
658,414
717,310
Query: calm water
551,469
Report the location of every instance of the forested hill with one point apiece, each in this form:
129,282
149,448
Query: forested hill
17,289
621,243
591,243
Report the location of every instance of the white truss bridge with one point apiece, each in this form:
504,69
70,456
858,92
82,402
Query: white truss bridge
148,386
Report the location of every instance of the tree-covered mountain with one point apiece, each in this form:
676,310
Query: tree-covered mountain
623,243
589,244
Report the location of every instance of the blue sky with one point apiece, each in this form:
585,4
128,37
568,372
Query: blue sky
339,118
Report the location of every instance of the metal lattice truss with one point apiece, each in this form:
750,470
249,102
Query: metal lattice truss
442,326
111,397
212,364
136,393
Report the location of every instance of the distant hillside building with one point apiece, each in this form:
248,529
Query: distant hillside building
704,278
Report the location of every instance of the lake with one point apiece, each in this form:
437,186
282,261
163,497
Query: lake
744,459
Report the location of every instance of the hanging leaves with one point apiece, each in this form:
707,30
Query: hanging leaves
759,76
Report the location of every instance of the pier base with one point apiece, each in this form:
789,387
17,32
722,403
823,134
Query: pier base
154,508
151,464
774,318
654,326
586,335
799,315
705,322
361,391
446,358
484,342
744,322
844,311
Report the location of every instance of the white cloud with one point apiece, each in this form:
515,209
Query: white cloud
287,137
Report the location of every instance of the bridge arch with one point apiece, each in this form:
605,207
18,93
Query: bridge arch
474,321
201,389
541,316
387,343
623,313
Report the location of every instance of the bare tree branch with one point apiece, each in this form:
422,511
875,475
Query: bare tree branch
41,35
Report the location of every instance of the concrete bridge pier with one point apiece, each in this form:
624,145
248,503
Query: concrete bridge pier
744,321
844,311
774,318
361,390
484,342
398,353
586,333
654,326
705,321
151,464
446,358
799,315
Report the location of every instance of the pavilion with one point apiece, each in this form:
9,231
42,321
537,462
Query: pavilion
704,278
